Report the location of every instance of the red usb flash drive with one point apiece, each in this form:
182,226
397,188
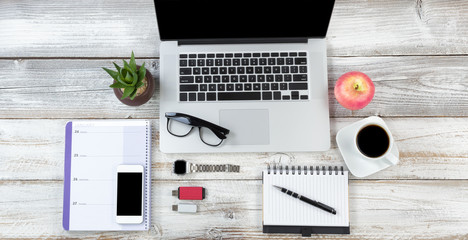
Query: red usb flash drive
190,193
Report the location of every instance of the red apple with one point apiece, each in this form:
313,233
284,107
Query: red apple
354,90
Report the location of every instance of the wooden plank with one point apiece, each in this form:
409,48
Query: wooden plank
67,89
233,209
113,28
375,28
84,28
405,86
430,148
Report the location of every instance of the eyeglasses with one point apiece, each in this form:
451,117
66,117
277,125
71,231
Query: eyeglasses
180,125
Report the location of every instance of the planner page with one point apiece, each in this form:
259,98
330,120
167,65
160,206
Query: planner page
284,210
97,148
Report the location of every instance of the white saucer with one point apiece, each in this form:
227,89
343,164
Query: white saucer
357,165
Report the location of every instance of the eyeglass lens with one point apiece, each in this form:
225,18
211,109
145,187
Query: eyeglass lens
179,129
209,137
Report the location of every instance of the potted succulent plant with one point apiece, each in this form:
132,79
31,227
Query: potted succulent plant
133,85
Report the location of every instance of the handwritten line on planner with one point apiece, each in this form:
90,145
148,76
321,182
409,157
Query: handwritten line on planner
91,179
81,131
93,204
92,156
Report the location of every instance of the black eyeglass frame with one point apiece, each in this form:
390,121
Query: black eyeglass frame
219,131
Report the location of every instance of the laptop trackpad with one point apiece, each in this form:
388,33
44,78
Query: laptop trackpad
247,127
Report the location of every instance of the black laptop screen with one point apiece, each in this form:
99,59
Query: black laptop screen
212,19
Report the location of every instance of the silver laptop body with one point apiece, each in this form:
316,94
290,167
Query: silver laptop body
289,120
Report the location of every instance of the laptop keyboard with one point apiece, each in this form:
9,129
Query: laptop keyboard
243,76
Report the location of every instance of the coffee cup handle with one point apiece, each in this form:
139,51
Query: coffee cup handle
392,159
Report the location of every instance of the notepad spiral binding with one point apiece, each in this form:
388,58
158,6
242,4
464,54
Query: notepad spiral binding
147,170
306,170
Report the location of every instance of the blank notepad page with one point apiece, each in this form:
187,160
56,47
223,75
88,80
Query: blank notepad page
328,187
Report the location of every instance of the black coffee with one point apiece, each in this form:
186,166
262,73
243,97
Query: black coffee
373,141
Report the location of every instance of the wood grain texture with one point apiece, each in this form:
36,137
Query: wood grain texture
83,28
67,89
113,28
430,148
419,27
405,86
378,210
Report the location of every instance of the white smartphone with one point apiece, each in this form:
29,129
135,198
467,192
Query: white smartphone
129,194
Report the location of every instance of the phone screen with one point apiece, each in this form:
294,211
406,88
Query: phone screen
129,193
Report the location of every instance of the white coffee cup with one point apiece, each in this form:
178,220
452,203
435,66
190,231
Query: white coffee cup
388,156
361,164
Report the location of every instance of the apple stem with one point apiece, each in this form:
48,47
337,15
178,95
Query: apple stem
356,86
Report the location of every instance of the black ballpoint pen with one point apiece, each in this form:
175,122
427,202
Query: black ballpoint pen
307,200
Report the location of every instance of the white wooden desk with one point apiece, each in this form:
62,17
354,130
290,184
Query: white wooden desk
51,54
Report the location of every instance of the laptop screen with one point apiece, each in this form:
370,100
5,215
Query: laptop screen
219,19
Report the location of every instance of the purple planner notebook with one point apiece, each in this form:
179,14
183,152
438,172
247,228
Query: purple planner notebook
93,150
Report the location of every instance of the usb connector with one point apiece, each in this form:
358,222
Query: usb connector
185,208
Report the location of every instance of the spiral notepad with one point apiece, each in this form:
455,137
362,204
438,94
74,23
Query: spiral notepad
285,214
93,150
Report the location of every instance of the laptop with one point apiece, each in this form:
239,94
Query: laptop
257,68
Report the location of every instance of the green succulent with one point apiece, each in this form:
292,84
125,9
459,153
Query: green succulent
129,77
